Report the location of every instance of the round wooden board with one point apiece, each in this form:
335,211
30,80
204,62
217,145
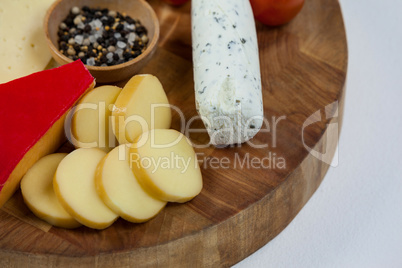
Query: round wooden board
240,208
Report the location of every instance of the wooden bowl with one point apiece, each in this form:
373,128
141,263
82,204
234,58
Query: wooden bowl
137,9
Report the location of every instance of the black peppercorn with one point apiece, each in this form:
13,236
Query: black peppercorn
104,21
119,27
141,30
100,40
129,20
63,46
112,41
89,16
65,38
92,53
110,20
69,22
126,55
103,59
119,16
87,28
123,33
137,53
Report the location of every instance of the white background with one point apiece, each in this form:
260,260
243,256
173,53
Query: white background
355,217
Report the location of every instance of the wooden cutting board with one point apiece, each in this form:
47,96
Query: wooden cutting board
242,205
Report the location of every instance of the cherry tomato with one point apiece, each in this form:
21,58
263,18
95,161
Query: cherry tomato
176,2
276,12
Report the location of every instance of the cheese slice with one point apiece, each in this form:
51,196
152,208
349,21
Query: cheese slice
32,113
142,105
74,186
119,189
166,166
22,38
37,191
90,124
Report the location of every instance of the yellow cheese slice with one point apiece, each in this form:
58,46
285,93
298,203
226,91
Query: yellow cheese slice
120,190
166,166
74,185
22,38
142,105
90,124
37,191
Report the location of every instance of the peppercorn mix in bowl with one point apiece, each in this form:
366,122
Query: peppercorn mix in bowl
114,38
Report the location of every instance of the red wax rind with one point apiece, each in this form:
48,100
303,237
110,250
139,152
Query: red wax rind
30,105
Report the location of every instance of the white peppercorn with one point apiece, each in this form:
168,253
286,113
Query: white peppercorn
71,51
75,10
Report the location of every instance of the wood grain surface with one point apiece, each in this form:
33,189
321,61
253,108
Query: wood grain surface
240,209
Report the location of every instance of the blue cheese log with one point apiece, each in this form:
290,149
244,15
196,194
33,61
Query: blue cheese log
226,70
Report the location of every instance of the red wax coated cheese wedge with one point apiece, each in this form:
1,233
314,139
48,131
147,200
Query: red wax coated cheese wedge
32,113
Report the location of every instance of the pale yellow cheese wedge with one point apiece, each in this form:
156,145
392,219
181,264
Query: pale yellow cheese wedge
120,190
74,185
142,105
37,191
22,38
32,131
166,165
90,123
46,145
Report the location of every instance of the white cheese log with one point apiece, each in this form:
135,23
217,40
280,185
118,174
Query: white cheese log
226,70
